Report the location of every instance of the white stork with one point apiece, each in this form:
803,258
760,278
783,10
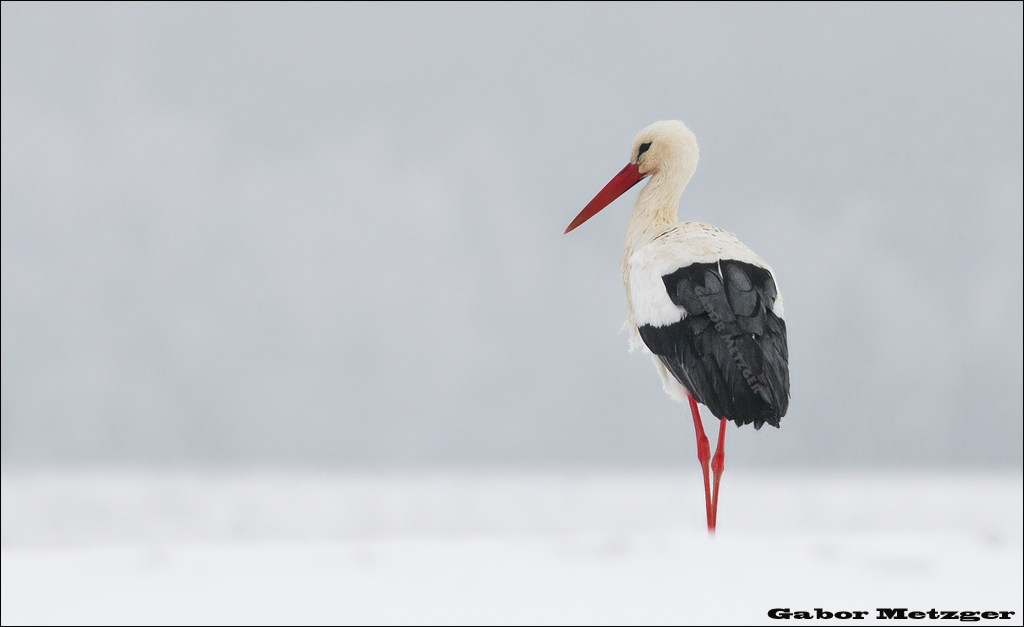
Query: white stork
704,304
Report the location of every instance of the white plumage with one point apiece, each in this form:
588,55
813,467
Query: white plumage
676,247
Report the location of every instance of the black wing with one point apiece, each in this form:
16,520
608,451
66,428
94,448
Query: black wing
730,350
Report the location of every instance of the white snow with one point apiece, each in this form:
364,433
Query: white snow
464,547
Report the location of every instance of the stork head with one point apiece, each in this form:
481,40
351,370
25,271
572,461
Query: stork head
664,150
667,144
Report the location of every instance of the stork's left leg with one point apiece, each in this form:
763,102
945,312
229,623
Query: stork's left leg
704,456
717,466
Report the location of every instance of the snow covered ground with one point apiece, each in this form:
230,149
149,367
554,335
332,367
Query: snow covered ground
500,547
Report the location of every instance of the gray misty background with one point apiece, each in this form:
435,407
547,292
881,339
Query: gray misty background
332,234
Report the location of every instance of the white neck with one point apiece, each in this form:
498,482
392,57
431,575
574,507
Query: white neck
656,207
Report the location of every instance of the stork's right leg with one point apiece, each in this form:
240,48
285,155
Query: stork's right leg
704,455
718,465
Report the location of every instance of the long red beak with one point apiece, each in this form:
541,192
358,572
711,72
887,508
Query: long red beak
628,177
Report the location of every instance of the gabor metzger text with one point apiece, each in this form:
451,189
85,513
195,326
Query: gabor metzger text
893,613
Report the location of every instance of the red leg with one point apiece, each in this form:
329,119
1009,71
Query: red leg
718,465
703,455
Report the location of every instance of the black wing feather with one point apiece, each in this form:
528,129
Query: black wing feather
730,350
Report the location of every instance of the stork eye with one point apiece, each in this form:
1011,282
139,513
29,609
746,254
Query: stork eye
643,149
